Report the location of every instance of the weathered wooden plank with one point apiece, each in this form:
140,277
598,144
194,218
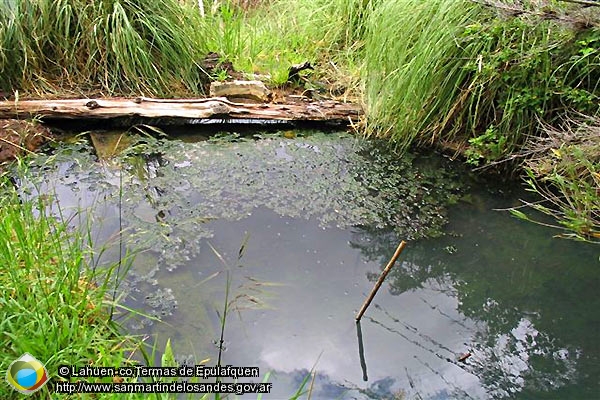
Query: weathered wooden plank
179,109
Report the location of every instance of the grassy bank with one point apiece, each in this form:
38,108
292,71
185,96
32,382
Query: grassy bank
475,76
53,305
458,73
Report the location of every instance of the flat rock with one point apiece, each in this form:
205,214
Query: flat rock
251,90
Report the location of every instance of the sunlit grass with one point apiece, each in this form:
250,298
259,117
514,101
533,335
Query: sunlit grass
269,39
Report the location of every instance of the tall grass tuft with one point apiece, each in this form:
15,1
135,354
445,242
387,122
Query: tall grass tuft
149,47
454,71
52,304
413,70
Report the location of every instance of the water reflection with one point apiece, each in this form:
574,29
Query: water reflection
321,224
532,297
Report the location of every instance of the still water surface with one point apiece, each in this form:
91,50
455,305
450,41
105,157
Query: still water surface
303,226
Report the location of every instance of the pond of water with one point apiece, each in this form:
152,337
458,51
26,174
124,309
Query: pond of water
302,227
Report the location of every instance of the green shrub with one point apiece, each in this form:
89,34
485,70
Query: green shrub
530,71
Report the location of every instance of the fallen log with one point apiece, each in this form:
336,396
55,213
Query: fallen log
180,111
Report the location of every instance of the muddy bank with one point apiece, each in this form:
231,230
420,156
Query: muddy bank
19,137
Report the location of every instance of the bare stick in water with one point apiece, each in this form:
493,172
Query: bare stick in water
385,272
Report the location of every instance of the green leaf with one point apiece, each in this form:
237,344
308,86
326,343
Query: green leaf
519,214
168,359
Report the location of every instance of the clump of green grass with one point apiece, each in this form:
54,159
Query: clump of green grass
52,304
150,47
413,70
453,71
